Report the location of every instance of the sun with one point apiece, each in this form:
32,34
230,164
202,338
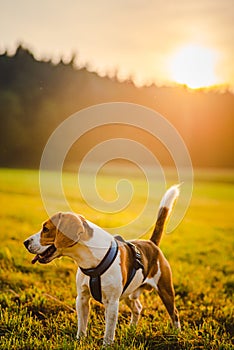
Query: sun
194,66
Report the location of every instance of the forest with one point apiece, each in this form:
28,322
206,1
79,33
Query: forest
36,96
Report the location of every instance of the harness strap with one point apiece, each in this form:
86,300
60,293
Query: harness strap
96,272
137,264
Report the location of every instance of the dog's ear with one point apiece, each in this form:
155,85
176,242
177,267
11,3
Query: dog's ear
69,228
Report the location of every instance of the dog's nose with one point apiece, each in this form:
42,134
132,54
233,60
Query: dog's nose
26,243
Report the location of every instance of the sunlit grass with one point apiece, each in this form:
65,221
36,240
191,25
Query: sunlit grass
37,302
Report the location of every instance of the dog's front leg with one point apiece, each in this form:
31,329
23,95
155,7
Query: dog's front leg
82,308
111,316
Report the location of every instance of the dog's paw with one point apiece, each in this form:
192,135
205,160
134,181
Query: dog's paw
107,343
177,325
80,336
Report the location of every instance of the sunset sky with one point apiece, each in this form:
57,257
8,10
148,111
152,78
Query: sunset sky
185,41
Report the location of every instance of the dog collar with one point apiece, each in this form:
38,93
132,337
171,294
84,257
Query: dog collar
103,266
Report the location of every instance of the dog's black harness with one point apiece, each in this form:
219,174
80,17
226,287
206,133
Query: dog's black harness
96,272
137,264
107,261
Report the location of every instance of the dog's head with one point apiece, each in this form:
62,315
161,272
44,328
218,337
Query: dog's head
61,232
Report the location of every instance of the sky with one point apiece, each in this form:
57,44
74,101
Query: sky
158,41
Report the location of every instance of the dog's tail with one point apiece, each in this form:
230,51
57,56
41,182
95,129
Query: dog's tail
164,212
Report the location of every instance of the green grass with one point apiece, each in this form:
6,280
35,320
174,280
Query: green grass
37,302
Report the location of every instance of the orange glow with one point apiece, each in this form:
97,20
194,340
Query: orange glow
194,66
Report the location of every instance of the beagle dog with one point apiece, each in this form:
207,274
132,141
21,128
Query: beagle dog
109,268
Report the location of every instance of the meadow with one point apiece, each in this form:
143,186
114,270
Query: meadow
38,302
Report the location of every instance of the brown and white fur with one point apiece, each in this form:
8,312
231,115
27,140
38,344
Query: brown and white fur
69,234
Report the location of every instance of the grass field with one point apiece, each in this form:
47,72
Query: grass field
38,302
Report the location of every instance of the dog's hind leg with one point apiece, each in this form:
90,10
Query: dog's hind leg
135,307
167,295
134,303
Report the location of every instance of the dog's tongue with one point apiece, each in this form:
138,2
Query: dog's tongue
34,260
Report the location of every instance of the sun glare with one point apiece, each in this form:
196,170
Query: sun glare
194,66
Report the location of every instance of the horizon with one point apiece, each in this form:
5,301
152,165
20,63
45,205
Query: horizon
187,43
204,118
225,88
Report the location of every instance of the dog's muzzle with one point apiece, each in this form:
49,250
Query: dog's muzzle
45,256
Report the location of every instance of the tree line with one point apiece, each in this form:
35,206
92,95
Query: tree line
36,96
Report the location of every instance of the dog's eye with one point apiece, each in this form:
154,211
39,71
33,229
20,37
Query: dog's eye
45,229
